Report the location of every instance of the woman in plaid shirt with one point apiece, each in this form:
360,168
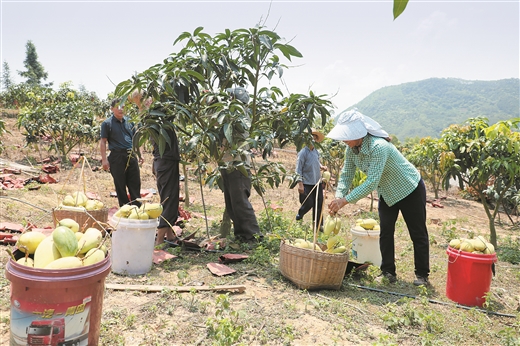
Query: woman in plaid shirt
398,183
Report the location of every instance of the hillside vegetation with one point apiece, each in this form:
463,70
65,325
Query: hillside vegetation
424,108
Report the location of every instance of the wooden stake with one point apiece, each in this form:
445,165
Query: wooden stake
158,288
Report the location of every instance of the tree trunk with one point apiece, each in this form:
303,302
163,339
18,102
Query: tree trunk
225,226
491,218
186,189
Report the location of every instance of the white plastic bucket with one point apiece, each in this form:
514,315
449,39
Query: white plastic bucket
365,247
132,245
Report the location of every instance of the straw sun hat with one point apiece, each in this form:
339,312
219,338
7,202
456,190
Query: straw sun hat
318,134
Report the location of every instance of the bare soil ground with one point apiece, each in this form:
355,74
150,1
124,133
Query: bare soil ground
271,310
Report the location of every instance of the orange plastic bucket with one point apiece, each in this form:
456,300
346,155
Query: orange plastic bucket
56,307
469,276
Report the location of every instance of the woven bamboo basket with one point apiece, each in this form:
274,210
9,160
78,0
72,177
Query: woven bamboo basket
85,219
312,270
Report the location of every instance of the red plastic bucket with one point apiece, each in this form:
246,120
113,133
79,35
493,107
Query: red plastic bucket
56,307
469,276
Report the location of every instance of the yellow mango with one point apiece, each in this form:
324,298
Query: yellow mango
153,210
46,253
65,263
69,201
325,177
329,226
339,249
455,243
70,223
90,239
368,223
26,261
479,243
80,199
337,224
93,256
358,228
29,241
466,246
332,241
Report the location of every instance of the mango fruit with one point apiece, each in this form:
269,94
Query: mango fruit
153,210
490,248
329,226
93,256
339,249
29,241
46,253
70,223
80,199
358,228
368,223
65,263
94,204
90,239
325,177
479,243
78,235
332,241
125,210
26,261
455,243
65,241
466,246
69,201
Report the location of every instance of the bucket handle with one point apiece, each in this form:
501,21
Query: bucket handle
458,255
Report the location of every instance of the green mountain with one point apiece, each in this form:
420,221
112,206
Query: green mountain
424,108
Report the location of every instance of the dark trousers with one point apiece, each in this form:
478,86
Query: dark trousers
237,189
310,203
413,209
166,172
126,174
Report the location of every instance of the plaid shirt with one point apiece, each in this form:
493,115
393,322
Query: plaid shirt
387,170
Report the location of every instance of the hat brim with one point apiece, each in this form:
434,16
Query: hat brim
347,132
318,134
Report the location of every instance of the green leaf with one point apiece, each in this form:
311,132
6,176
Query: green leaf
399,6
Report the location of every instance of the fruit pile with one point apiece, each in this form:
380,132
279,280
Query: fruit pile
66,247
144,212
478,245
331,229
79,200
366,224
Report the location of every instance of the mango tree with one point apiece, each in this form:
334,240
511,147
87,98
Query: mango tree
64,118
431,158
484,158
215,123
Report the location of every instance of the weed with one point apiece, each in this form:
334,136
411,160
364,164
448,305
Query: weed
509,336
261,256
448,231
224,328
509,250
183,276
129,321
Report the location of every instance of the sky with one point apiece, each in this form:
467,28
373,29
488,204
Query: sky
350,48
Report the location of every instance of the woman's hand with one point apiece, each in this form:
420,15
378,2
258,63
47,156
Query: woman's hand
336,205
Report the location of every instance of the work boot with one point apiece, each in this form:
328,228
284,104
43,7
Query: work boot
421,281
